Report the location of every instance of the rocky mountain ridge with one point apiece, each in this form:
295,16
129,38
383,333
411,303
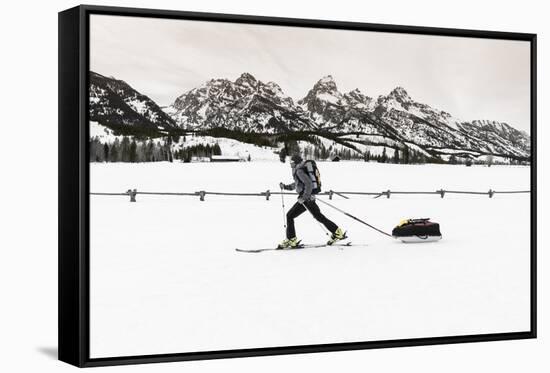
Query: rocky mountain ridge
250,106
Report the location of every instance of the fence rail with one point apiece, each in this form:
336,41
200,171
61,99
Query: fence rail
132,193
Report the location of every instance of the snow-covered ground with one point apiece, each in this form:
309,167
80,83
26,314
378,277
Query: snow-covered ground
165,276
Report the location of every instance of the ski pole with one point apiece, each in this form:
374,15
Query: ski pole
355,218
283,202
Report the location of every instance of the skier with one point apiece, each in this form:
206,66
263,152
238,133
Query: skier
306,184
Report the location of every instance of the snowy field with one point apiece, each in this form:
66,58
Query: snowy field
165,276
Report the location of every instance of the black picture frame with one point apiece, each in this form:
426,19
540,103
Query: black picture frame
74,185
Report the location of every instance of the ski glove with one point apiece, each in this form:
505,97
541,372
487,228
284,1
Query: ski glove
286,186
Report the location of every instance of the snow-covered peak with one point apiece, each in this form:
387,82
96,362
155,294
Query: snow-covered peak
398,99
326,79
400,94
246,79
357,98
274,86
217,82
326,84
324,91
246,104
272,89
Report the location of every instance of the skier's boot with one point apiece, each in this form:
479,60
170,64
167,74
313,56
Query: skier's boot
289,243
339,235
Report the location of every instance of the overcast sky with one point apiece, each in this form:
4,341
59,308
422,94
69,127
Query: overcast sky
469,78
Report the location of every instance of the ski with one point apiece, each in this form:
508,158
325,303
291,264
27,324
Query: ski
299,247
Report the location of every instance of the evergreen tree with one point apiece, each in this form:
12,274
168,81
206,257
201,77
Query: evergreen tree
132,151
115,150
168,147
405,157
282,155
323,152
106,152
157,152
149,151
125,149
384,157
413,157
292,147
423,158
316,153
94,144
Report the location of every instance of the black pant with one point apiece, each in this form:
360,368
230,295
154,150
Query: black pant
298,209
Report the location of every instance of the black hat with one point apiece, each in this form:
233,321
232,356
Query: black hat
296,158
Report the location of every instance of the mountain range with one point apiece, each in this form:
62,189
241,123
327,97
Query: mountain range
250,106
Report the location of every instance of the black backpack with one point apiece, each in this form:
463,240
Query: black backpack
420,228
310,168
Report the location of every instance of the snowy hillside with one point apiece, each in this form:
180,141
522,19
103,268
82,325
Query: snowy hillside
434,129
230,147
115,104
100,134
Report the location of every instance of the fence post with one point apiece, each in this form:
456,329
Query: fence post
491,193
202,193
330,193
388,193
267,194
441,193
132,194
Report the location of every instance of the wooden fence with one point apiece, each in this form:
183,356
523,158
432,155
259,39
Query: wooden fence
132,193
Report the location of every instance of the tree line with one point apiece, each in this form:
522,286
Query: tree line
130,149
319,152
204,151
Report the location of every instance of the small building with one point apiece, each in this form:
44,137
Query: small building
224,158
200,159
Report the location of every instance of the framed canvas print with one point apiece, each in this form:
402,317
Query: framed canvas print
235,186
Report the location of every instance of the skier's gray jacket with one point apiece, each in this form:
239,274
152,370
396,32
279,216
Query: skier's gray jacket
302,182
